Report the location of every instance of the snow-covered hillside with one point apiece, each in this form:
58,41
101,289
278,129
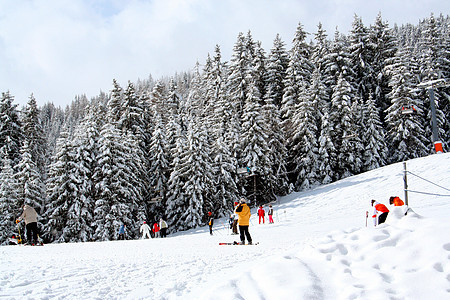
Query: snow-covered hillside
318,248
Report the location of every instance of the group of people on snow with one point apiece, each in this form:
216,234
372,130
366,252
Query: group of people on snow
382,211
262,213
159,229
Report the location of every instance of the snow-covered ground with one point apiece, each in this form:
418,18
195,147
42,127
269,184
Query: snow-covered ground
318,248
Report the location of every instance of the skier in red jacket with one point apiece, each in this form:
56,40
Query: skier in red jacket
156,229
261,214
379,208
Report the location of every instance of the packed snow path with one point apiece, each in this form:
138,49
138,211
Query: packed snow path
319,248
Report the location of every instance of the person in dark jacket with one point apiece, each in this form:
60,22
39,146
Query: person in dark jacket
122,232
270,213
210,222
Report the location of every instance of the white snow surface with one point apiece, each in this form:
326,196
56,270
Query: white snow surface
318,248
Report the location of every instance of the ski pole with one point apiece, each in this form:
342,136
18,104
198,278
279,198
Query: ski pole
367,215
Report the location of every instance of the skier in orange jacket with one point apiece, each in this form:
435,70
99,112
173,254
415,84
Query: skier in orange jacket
396,201
378,207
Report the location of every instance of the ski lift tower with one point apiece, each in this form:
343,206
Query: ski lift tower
430,86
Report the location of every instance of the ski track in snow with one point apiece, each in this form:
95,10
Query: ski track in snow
319,248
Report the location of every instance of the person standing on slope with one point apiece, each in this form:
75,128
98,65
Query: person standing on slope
156,229
270,213
122,232
145,230
379,208
244,214
261,214
30,217
163,226
210,222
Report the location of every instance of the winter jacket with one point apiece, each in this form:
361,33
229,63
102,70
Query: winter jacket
244,214
145,228
122,229
162,224
398,201
29,214
261,212
270,211
378,207
155,227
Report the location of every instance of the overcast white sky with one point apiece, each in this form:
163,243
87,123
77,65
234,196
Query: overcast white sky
60,49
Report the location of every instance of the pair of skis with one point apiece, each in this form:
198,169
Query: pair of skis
237,243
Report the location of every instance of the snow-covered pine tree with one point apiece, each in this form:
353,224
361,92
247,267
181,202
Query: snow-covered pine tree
374,137
31,189
173,98
61,185
255,149
337,63
10,128
277,64
444,23
190,184
432,64
405,134
362,52
327,151
118,186
9,199
341,120
224,162
80,204
236,82
159,168
225,178
305,145
355,151
260,70
34,134
298,78
135,120
385,47
114,106
158,98
131,117
276,143
177,200
52,119
321,48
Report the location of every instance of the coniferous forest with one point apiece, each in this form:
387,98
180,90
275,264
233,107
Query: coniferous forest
263,124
